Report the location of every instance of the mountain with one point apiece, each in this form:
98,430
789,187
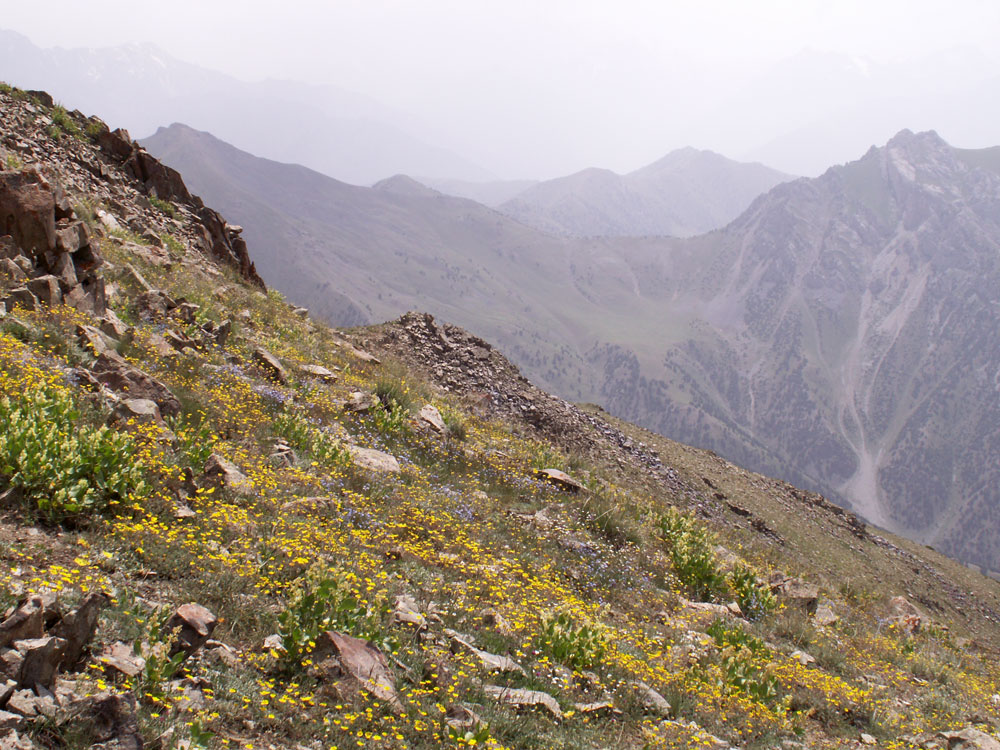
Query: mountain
846,324
687,192
491,193
140,87
836,334
229,524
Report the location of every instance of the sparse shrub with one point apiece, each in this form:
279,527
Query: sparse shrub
195,439
744,660
573,641
455,424
6,88
393,419
165,207
93,129
154,645
326,450
13,162
324,601
753,596
67,468
692,554
392,391
62,120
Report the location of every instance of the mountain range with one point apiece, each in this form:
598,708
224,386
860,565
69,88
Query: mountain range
839,333
139,87
687,192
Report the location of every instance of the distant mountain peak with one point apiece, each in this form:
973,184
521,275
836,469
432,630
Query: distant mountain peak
402,184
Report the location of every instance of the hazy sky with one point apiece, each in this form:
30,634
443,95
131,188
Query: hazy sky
565,83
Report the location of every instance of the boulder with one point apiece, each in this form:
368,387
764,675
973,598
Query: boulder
360,402
24,623
222,473
112,371
21,297
46,290
319,372
105,718
27,212
195,624
795,592
375,460
491,662
430,416
112,326
121,657
77,628
9,268
360,662
652,701
460,717
153,305
272,368
42,657
969,738
92,339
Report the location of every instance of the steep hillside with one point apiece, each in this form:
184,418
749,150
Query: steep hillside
226,524
838,334
687,192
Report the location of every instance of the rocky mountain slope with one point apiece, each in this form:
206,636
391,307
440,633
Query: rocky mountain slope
226,524
836,334
687,192
141,87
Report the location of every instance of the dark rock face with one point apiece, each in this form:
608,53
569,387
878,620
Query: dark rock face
38,220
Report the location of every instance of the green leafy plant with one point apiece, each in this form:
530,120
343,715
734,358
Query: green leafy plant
195,439
573,641
392,419
325,449
454,425
478,736
65,466
155,645
13,162
324,601
394,393
753,596
173,245
744,660
692,554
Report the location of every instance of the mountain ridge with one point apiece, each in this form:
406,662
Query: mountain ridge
653,327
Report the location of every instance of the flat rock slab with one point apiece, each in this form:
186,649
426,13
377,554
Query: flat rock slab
520,698
560,479
319,372
432,417
969,739
375,460
364,663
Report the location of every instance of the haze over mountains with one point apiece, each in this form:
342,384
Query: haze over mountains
686,192
840,333
140,87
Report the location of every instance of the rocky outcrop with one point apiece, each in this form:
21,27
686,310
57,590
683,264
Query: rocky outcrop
106,165
50,246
